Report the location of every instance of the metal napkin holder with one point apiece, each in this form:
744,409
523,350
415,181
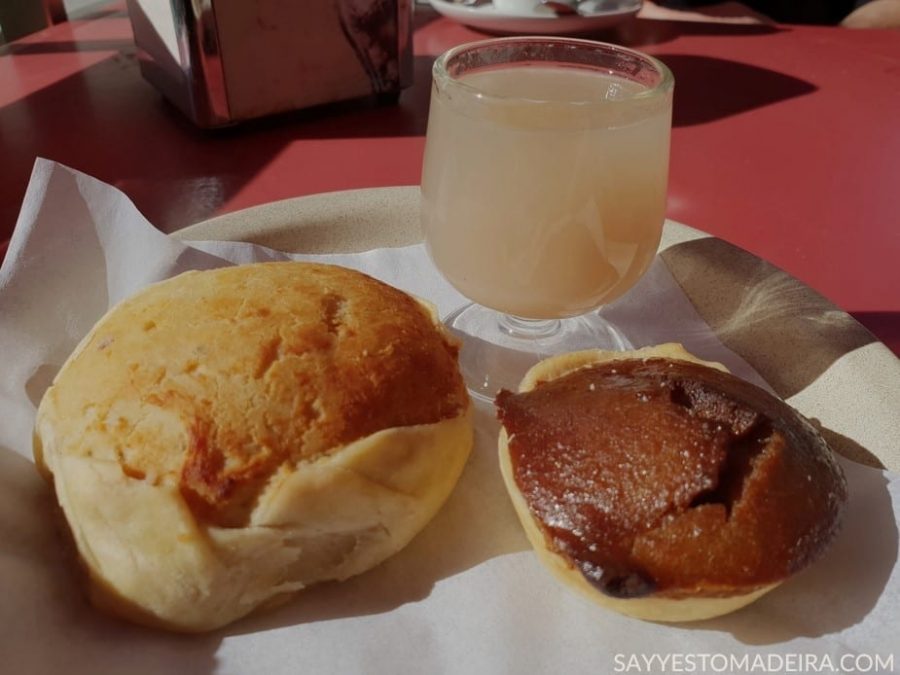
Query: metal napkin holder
226,61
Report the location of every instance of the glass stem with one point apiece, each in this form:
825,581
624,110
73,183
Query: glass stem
516,326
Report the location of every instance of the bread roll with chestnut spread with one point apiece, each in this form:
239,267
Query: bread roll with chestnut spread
662,486
227,437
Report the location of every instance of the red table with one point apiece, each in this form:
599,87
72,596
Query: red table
786,141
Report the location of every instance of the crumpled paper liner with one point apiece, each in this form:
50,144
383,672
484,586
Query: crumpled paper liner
466,596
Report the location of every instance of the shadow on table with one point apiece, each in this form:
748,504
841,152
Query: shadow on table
708,89
646,32
838,591
886,325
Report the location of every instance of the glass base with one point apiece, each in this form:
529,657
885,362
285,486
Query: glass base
498,349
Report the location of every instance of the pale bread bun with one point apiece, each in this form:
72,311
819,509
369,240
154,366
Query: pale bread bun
686,604
225,438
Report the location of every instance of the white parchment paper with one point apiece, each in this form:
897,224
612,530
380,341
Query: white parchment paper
467,595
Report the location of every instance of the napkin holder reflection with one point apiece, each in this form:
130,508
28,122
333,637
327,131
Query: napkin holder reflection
227,61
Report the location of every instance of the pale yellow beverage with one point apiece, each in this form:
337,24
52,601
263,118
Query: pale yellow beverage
544,196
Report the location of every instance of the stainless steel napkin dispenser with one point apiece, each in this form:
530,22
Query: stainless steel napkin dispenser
226,61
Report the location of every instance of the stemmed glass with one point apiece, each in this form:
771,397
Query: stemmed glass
543,193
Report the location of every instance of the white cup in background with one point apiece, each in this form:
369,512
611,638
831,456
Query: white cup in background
524,7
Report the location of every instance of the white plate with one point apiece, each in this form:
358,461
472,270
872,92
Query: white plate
539,21
467,595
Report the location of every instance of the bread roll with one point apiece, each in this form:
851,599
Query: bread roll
227,437
663,487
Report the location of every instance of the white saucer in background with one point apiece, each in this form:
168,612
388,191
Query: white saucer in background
540,20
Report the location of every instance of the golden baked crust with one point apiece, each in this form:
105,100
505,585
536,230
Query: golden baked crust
263,366
231,401
660,478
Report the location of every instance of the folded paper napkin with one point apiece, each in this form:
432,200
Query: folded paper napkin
467,595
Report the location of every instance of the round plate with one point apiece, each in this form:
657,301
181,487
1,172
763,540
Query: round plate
810,352
539,21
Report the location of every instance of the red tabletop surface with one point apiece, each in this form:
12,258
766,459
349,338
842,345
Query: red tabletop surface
786,141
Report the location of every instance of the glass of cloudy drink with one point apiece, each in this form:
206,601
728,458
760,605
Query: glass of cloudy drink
543,193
